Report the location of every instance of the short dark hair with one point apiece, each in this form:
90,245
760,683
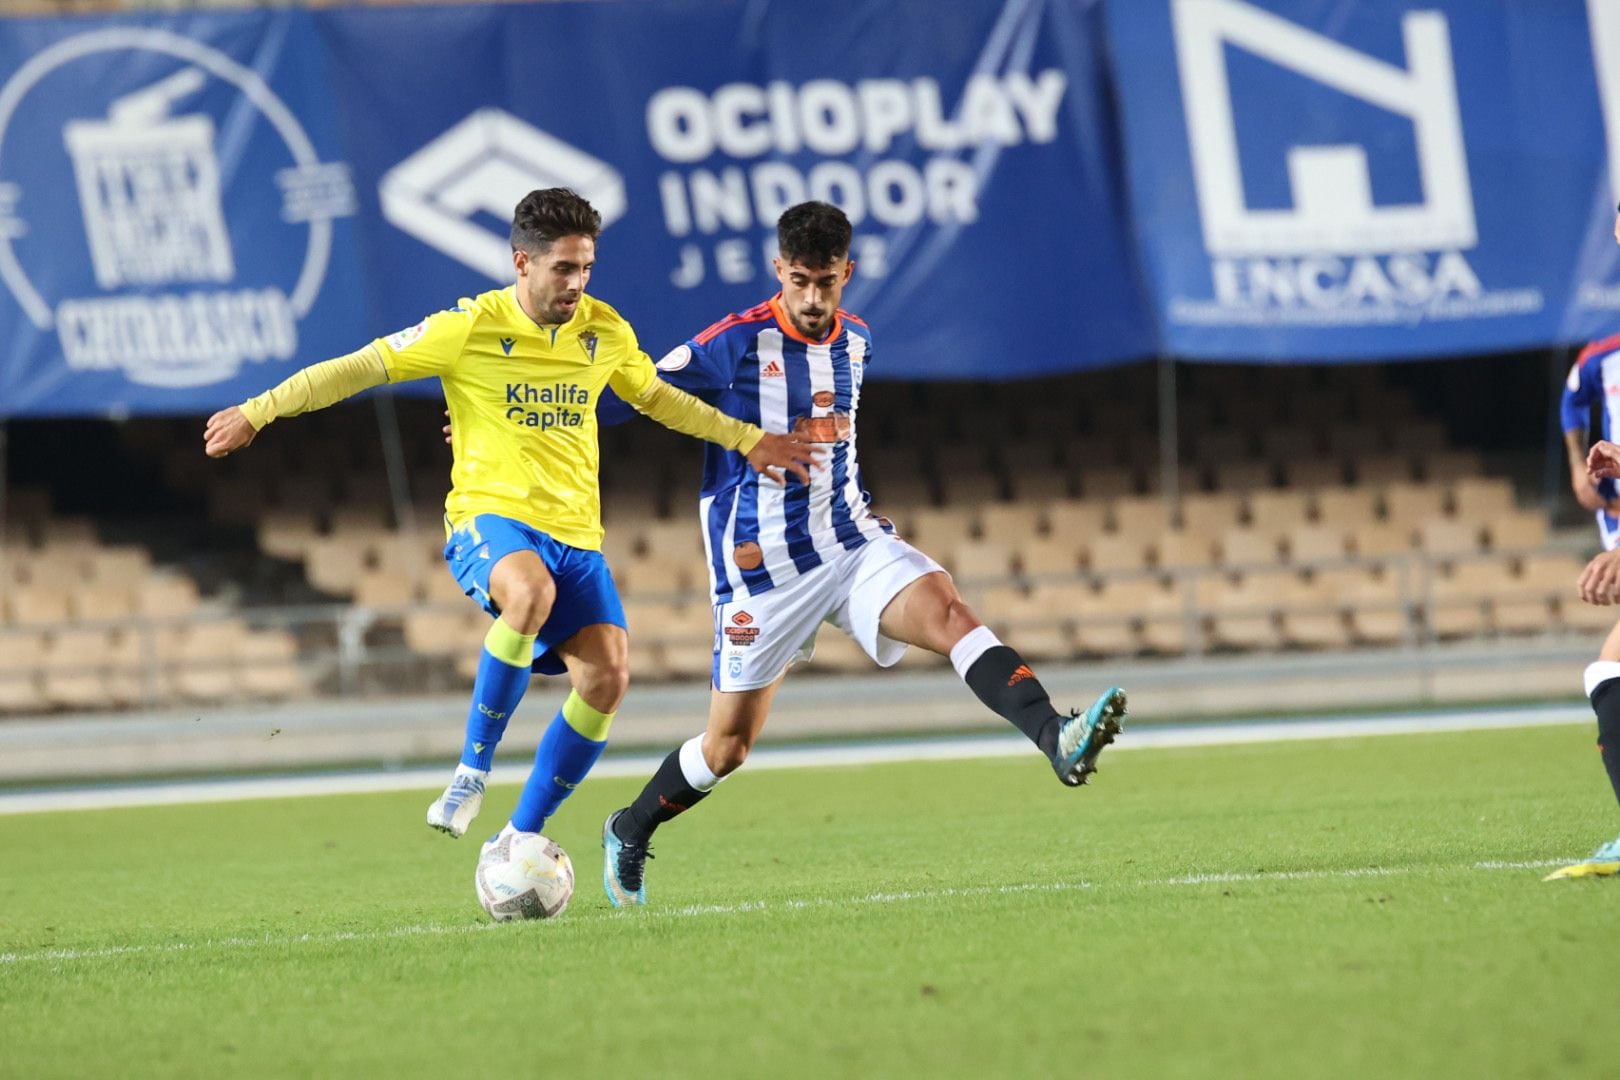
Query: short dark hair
813,234
543,217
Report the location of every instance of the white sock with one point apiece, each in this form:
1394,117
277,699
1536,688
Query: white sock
1599,672
974,644
695,768
463,769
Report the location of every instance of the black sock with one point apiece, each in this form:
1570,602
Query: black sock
665,795
1606,703
1005,683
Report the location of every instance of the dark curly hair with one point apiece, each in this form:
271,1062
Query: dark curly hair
546,216
813,234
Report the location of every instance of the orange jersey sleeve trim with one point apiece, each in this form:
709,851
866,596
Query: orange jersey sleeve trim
757,313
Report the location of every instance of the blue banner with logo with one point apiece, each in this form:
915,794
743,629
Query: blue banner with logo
191,207
176,214
1360,179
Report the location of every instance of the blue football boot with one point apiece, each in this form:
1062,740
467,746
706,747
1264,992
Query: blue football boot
623,866
1081,738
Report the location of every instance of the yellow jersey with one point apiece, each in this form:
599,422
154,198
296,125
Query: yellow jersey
522,401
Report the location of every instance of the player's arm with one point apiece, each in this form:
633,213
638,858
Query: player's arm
311,388
638,385
1575,410
428,348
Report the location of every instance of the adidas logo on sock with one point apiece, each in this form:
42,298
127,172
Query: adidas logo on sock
1021,673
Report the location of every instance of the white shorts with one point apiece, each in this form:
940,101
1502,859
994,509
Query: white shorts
757,637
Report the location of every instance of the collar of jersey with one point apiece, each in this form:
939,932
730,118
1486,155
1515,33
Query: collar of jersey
786,325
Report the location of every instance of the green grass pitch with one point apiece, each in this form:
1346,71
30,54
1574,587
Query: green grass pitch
1309,909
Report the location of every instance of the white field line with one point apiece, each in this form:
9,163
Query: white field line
103,797
58,957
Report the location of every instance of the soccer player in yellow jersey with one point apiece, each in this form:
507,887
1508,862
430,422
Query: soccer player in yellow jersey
522,369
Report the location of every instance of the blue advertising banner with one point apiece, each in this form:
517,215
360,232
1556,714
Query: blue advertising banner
175,213
1358,179
245,192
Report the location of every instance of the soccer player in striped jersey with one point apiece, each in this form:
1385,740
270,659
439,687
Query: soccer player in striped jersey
1600,584
783,559
522,370
1596,369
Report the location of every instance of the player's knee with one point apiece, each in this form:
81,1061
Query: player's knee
526,602
725,754
605,684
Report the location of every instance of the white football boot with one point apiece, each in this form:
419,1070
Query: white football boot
453,811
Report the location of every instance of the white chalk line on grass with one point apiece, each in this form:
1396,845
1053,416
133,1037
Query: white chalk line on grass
1151,737
60,956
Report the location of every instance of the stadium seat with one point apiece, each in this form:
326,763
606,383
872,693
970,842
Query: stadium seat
1277,512
1042,556
1377,605
1458,602
1168,626
1076,520
206,668
1378,540
1445,537
21,655
1243,612
334,563
122,565
1522,604
680,537
39,605
1180,549
446,632
1312,616
267,665
1307,544
1210,514
1242,547
973,561
655,574
1143,517
1348,508
383,589
1113,553
1412,504
1010,524
1105,621
1520,530
1481,499
75,669
288,532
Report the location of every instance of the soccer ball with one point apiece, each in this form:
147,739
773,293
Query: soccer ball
524,876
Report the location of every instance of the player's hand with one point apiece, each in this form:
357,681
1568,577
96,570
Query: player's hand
1603,461
778,455
447,426
1600,581
227,430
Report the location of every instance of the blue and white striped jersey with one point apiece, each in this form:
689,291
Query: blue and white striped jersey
1594,380
756,367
